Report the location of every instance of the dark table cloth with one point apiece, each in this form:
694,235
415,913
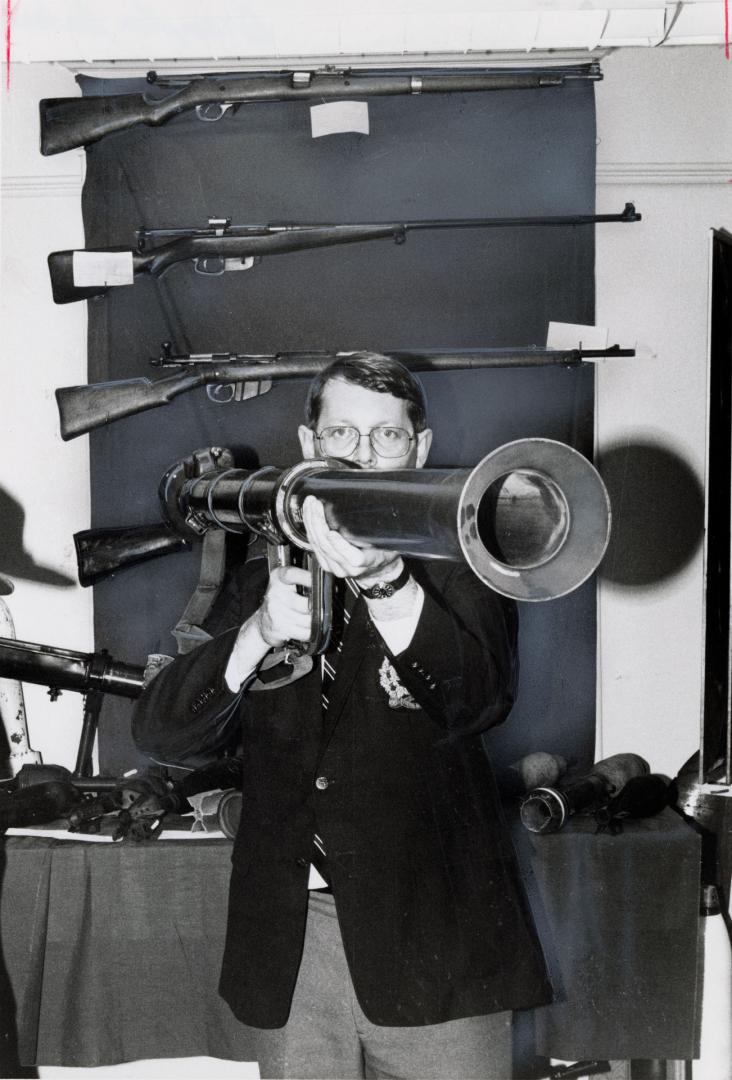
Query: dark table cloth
618,917
112,951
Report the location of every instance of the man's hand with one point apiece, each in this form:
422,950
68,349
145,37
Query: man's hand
336,555
284,613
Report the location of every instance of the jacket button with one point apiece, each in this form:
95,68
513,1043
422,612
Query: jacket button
301,862
321,783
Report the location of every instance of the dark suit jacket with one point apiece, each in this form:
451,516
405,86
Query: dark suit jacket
431,909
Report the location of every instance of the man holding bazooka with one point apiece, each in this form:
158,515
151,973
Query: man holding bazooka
404,952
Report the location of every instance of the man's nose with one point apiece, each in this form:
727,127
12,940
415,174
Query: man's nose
364,453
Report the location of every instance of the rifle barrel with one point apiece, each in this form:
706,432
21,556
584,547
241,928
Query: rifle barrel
64,669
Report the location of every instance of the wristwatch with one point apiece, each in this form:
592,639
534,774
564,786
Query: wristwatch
384,589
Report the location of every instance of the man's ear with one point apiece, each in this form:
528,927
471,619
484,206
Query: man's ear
424,442
307,441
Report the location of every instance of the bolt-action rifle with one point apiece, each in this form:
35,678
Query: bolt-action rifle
221,246
83,408
78,121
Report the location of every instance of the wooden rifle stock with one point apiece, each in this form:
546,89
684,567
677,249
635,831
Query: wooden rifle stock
99,552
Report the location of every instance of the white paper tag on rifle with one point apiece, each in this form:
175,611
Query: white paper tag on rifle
103,268
335,117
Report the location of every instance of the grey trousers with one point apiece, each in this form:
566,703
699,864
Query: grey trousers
328,1036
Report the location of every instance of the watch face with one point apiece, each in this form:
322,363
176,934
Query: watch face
383,589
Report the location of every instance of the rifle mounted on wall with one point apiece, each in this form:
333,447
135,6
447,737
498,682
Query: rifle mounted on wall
221,246
84,408
67,123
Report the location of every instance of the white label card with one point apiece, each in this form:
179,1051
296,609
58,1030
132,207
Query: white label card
103,268
335,117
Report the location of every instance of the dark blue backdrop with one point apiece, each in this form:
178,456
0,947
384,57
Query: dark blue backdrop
497,154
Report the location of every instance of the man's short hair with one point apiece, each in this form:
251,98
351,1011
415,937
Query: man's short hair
376,372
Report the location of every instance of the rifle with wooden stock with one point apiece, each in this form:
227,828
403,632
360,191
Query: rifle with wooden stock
221,246
84,408
70,122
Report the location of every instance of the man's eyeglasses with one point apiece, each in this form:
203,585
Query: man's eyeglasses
341,441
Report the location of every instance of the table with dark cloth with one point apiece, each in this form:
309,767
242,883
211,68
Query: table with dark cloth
111,952
618,917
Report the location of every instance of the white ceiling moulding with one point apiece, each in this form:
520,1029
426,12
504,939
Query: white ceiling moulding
634,26
94,31
570,29
664,172
698,24
61,185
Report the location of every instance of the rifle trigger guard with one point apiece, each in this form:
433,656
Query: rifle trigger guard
210,265
213,111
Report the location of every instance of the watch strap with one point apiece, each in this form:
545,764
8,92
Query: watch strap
384,589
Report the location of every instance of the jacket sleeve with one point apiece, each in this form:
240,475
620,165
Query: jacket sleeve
188,711
461,665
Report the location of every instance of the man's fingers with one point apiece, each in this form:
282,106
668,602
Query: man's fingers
291,605
287,616
345,551
313,517
290,575
335,554
300,631
296,627
329,559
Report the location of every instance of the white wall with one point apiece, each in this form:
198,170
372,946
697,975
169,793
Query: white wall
44,346
665,141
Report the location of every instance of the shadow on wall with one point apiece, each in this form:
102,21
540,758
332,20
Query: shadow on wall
658,513
15,561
